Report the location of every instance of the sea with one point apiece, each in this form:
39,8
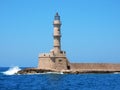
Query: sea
56,81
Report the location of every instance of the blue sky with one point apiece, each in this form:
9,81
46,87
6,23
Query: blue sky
90,30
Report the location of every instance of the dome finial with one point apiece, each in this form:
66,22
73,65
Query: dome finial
57,14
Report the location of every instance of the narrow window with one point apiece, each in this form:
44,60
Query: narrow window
60,60
68,67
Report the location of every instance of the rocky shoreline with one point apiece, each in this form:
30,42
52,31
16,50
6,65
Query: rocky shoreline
37,71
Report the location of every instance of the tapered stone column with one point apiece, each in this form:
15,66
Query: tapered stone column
57,34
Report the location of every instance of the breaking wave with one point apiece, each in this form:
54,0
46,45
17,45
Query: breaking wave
12,70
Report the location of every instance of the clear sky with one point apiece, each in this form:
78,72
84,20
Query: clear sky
90,30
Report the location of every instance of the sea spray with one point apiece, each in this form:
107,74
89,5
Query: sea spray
12,70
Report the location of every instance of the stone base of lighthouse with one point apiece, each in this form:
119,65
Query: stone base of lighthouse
53,62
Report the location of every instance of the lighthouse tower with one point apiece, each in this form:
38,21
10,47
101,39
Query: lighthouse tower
56,59
57,34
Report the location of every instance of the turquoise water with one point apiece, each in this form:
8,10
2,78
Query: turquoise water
59,81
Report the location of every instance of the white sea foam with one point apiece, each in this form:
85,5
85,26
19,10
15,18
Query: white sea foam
116,73
44,73
54,73
12,70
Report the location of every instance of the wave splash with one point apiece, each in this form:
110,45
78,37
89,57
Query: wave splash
12,70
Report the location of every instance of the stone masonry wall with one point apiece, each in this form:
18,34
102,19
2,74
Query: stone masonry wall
61,63
46,63
95,66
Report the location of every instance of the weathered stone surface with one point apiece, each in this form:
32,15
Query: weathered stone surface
95,66
78,69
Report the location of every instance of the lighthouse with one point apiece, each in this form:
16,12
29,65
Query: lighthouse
57,34
56,59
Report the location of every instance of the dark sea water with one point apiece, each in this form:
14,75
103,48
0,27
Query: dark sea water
59,81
